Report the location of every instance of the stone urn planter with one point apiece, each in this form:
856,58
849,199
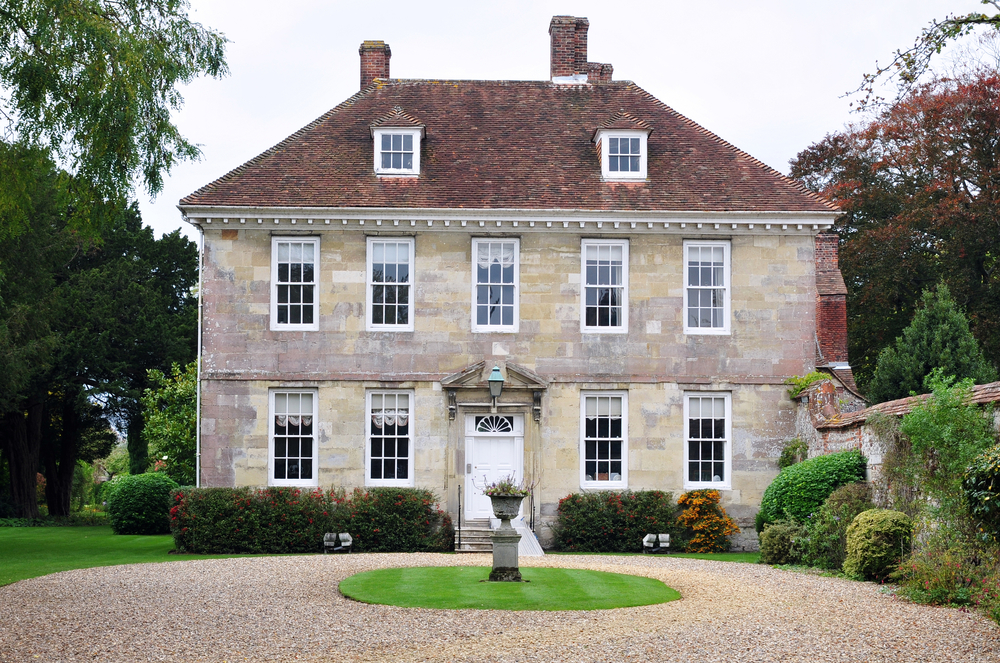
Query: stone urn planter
505,539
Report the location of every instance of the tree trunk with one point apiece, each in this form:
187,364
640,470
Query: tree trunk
60,460
138,451
21,436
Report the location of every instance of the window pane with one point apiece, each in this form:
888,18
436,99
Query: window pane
407,143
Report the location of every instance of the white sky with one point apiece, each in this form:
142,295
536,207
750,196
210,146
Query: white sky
769,76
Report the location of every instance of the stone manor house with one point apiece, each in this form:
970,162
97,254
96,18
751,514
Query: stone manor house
643,286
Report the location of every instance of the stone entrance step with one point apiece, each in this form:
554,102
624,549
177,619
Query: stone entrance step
475,537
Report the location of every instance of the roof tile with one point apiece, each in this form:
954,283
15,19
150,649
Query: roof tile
503,145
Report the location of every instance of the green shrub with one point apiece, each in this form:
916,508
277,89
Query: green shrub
981,485
781,542
876,542
798,384
795,451
250,520
608,521
396,520
706,525
799,490
293,520
825,545
140,504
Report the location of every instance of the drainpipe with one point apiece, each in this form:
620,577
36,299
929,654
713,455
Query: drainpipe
197,430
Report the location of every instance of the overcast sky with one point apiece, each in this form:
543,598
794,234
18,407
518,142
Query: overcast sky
769,76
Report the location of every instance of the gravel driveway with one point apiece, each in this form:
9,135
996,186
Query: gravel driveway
288,608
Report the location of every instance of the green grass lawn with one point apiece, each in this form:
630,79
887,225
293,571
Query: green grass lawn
28,552
457,587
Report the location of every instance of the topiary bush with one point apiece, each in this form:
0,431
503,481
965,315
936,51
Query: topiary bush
981,485
781,542
608,521
825,544
396,520
876,542
706,525
140,504
800,489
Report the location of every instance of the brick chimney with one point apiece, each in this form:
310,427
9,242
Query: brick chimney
568,57
374,61
831,302
562,58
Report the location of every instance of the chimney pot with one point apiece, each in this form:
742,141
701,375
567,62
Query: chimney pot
375,56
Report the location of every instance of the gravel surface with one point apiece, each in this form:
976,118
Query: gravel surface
288,608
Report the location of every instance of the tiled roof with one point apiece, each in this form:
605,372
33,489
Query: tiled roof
502,145
622,120
830,282
397,117
981,394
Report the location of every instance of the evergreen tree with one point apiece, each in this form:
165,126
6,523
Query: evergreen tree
937,338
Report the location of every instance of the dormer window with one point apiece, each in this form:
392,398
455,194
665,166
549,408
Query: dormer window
623,154
397,152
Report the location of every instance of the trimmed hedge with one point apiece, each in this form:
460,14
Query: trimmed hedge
293,520
139,504
876,542
609,521
799,490
396,520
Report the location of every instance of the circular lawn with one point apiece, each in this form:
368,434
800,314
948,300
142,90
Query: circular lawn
464,587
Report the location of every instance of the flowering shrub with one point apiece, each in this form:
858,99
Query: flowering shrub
940,575
293,520
707,527
608,521
825,544
251,520
396,520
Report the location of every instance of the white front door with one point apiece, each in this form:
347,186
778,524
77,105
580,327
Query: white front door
494,449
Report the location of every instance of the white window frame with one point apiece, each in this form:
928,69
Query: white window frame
406,172
411,434
725,329
623,327
609,484
727,482
476,327
604,146
370,285
287,326
271,481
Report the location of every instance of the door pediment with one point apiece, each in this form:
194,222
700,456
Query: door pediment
514,377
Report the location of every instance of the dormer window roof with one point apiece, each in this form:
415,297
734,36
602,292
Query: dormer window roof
396,137
622,147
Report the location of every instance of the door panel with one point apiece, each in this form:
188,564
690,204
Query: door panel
493,457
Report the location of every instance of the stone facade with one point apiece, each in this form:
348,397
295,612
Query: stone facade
656,363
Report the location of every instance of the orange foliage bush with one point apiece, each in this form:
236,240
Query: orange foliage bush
705,521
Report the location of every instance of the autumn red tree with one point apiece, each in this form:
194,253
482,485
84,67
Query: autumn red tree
920,188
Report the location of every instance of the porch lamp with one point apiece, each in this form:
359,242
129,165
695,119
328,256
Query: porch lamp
495,380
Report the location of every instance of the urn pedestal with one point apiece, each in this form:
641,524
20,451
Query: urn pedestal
505,539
